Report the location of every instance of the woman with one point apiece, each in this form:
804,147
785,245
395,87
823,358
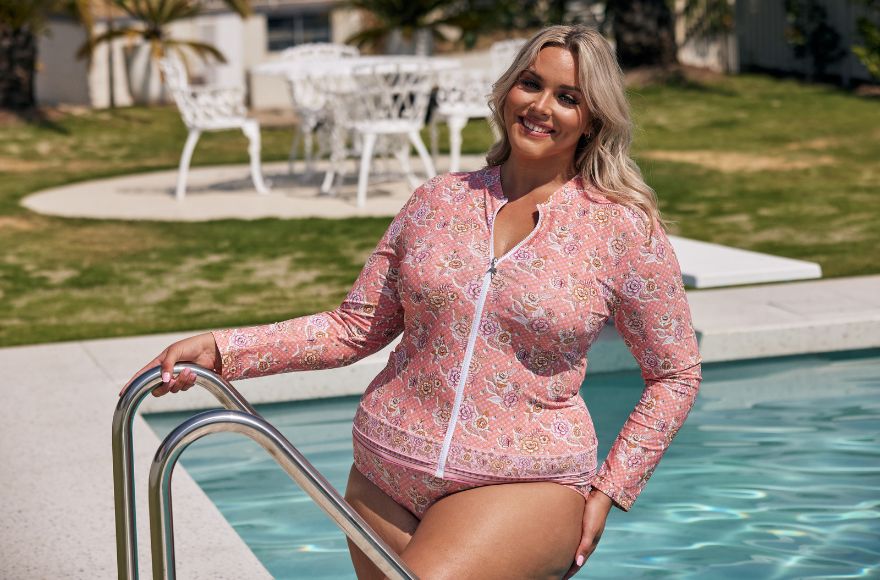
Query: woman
475,456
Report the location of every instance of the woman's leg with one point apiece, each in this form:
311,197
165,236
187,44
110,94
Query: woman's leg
506,531
391,521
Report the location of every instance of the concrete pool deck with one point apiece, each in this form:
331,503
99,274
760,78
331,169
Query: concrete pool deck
226,191
55,454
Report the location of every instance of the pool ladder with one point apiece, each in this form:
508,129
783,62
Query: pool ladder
239,417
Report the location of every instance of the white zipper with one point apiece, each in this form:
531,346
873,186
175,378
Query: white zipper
472,338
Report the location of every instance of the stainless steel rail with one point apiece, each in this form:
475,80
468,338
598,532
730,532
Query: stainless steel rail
230,398
287,456
123,454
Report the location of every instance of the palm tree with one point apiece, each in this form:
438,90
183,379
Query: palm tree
152,20
644,32
869,31
21,23
401,24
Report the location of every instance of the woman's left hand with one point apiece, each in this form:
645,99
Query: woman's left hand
595,513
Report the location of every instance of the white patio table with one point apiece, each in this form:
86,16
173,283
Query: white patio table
336,74
342,67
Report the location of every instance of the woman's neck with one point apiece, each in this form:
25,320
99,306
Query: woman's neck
540,178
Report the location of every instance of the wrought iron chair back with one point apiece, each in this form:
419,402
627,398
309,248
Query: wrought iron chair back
319,50
389,93
502,53
210,109
309,99
202,107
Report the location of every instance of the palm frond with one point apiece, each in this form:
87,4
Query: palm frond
240,7
88,47
370,37
180,10
202,49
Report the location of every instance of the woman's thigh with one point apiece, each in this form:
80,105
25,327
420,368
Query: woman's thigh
393,523
506,531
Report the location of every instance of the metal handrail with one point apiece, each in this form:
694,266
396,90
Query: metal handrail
123,453
123,469
287,456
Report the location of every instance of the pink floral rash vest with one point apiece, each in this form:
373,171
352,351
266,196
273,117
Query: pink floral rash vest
484,384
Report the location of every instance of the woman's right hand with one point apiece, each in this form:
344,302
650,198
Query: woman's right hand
200,349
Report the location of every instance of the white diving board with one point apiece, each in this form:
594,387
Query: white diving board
706,265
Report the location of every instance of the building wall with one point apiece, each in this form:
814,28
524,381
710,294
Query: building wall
272,92
760,32
61,77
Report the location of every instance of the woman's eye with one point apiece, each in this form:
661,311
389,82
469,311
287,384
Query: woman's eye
568,100
529,84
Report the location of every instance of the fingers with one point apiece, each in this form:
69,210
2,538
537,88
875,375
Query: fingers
180,382
201,349
172,355
584,550
149,365
595,514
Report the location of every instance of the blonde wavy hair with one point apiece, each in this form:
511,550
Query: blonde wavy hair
603,158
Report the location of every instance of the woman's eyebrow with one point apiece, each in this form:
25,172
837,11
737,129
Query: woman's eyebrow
540,78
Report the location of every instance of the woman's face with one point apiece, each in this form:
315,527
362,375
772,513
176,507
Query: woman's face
545,111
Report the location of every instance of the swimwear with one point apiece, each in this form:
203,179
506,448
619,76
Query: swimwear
484,385
414,489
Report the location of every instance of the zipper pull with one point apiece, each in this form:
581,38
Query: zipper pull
492,269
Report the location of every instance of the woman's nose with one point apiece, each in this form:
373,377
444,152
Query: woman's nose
541,104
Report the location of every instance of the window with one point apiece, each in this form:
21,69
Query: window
286,30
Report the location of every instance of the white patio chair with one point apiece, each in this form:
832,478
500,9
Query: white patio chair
383,100
210,109
461,95
309,101
502,53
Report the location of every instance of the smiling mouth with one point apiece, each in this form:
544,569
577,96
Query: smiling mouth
534,128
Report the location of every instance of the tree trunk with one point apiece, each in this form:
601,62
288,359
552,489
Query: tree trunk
18,58
644,32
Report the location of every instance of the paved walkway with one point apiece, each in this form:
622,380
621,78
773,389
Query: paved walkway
55,455
227,192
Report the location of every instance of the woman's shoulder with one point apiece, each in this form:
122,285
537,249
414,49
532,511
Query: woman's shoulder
595,194
454,184
621,214
475,179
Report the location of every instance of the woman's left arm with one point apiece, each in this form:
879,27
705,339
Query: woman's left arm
646,297
651,313
647,300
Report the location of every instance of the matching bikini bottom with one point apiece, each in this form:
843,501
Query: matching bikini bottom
414,490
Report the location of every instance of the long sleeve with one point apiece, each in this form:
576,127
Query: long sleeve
650,311
369,318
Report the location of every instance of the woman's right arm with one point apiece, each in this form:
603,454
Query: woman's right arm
369,318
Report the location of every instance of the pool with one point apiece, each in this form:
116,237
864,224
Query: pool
775,475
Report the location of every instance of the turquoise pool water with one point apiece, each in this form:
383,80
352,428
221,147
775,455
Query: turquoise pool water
775,475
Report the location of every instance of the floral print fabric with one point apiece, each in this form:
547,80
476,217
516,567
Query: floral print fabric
520,415
413,489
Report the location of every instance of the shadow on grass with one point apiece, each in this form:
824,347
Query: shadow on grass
679,77
34,116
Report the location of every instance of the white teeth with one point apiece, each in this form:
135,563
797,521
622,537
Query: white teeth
535,128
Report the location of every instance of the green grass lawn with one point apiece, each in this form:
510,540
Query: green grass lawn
749,161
